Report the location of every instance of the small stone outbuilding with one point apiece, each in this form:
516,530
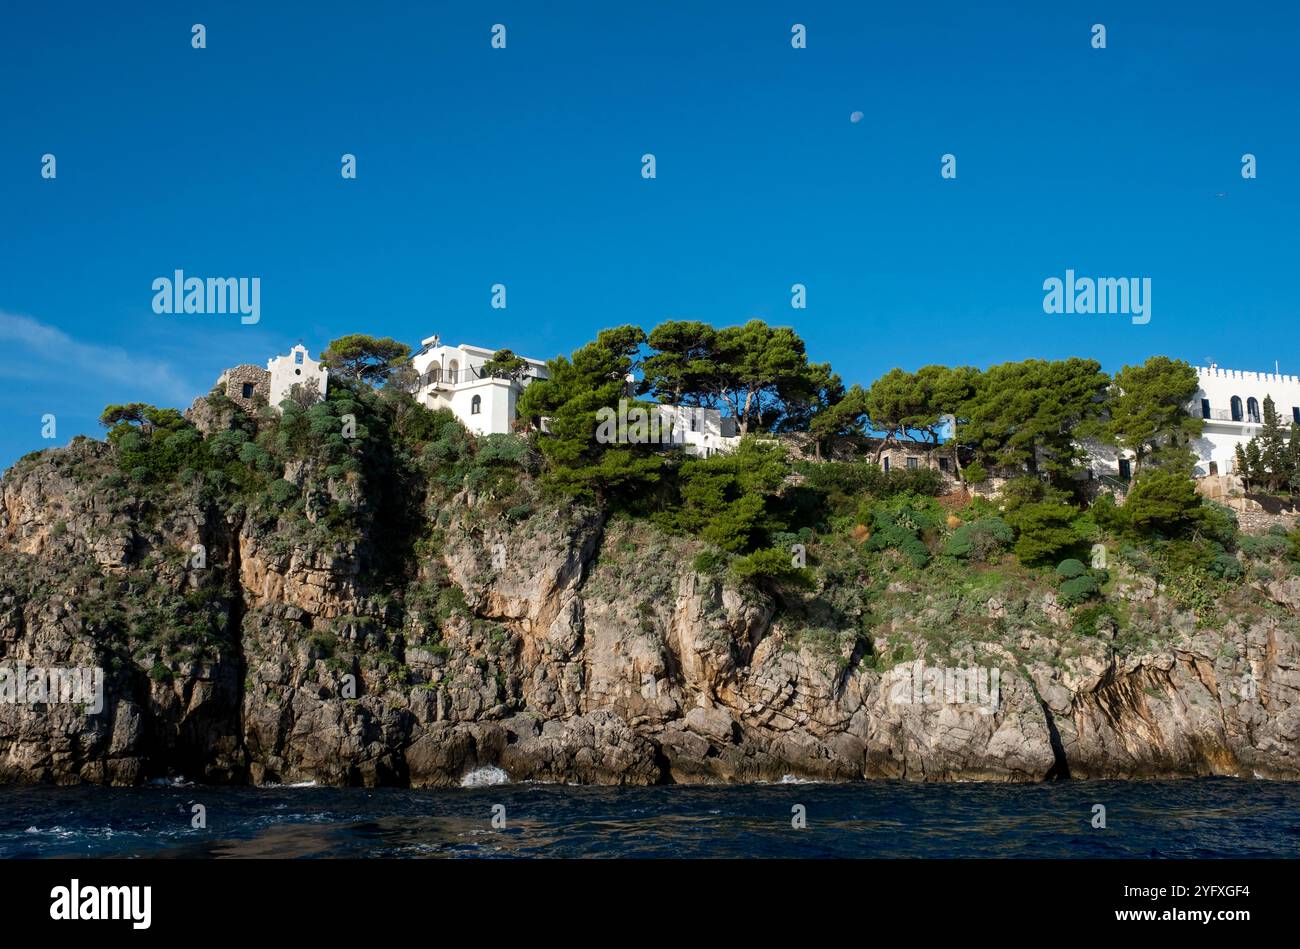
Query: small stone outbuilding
247,386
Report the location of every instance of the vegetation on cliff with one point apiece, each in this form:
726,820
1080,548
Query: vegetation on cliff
769,513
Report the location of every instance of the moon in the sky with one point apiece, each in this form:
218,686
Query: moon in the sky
855,117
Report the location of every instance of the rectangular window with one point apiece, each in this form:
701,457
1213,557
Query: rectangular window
297,358
913,462
248,390
1125,468
945,464
1295,414
886,462
1205,408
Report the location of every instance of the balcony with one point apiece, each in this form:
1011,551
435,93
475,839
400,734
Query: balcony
440,378
1225,415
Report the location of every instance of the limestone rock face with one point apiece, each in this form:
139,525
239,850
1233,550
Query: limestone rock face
562,647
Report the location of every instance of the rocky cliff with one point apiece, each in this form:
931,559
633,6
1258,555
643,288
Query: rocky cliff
315,638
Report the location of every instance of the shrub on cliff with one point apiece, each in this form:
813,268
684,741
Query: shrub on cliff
773,568
1263,546
845,484
1163,502
1078,590
979,540
447,449
899,525
1227,567
1071,568
1045,530
730,500
1194,590
153,444
1097,619
1078,583
281,492
1046,524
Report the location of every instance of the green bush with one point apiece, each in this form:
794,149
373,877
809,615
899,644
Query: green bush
787,539
898,523
1178,556
836,489
161,447
772,567
1096,619
1164,504
1108,515
730,500
1069,569
1263,546
906,542
226,445
323,644
1227,567
281,492
450,601
1193,590
852,479
1046,530
980,539
1217,522
1025,490
710,561
502,450
1079,589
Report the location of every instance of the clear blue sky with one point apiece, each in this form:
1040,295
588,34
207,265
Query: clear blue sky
522,166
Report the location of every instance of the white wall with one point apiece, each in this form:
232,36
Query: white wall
1222,434
702,431
497,397
496,405
288,371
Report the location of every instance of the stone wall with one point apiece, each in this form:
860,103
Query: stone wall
233,382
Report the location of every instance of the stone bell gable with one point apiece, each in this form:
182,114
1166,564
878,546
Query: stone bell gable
296,369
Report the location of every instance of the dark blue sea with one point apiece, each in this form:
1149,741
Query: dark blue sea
1204,818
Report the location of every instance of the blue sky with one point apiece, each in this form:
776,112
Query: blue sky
522,166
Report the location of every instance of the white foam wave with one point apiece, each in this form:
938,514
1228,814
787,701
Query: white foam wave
484,777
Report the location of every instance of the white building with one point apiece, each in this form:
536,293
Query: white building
288,371
695,429
700,431
1231,402
450,377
